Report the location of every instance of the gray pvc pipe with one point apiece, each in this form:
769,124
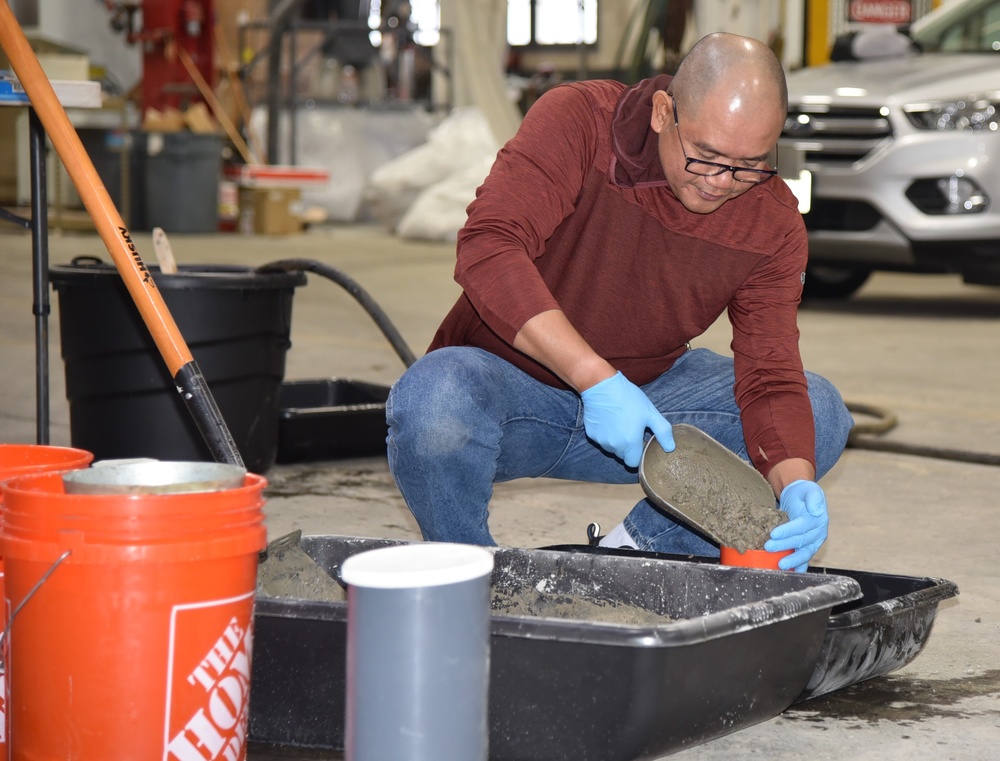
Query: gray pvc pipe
418,653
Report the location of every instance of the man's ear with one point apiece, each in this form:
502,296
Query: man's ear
660,118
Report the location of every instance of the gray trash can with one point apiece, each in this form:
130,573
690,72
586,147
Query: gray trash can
181,180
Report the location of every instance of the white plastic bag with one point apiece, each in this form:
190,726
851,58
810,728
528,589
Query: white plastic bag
462,141
438,213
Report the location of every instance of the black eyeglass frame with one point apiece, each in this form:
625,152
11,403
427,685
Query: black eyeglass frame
764,174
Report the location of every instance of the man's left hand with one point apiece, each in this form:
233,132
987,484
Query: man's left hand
806,528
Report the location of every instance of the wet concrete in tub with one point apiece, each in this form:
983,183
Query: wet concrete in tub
290,573
580,607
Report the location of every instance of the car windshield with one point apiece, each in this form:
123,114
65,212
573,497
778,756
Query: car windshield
970,27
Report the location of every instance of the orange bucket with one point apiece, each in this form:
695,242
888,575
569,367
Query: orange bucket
17,459
751,558
138,642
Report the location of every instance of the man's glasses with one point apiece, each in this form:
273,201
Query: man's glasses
712,168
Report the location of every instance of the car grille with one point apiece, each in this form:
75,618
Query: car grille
834,136
843,216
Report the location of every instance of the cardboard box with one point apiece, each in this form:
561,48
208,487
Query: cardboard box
198,119
167,120
8,156
57,60
270,211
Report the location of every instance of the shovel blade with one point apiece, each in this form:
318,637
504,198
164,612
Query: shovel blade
286,571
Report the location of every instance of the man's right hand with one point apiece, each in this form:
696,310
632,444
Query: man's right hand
616,414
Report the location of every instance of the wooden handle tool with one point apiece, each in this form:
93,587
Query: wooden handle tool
108,222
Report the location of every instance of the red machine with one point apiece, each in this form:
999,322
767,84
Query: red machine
162,27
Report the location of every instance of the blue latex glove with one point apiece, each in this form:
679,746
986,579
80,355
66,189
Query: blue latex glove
806,528
616,414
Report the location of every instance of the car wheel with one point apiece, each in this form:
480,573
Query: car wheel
832,282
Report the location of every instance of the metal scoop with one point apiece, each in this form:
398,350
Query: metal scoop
286,570
707,487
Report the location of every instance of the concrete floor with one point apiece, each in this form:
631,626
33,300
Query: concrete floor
925,347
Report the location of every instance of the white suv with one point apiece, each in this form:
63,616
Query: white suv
903,153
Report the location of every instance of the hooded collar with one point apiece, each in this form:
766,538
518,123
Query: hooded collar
637,160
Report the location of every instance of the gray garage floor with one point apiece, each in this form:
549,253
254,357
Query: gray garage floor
925,347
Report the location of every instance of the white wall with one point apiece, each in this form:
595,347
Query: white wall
776,22
86,25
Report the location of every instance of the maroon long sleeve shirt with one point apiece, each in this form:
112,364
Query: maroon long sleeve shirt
576,215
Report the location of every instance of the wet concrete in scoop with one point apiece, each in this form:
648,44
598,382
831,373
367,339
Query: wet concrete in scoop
707,487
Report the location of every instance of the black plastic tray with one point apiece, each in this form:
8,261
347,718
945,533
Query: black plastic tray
736,646
883,631
870,637
331,419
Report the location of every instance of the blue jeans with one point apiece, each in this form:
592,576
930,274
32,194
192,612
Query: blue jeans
461,419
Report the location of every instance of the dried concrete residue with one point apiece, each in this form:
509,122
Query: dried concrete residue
720,494
347,481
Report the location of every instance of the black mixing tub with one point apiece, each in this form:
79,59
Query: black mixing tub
869,637
593,657
330,419
883,631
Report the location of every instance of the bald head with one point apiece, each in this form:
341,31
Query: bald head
741,71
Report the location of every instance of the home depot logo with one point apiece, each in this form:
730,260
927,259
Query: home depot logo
4,654
3,708
209,681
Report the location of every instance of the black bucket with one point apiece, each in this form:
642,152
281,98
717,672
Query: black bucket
122,400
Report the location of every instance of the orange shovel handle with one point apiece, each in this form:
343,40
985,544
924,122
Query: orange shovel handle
116,237
95,197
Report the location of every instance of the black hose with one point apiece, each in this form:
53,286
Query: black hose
885,421
360,294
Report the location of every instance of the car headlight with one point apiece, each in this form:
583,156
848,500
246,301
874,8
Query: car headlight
974,114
